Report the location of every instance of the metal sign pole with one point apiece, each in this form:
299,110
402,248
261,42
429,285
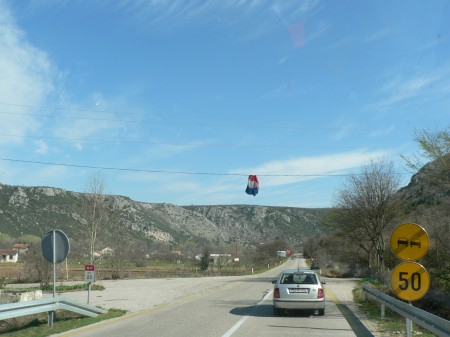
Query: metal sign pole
54,264
89,291
409,327
51,316
55,250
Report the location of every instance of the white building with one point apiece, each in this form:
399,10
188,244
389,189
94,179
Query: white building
7,255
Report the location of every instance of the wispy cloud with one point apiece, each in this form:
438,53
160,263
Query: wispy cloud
170,14
424,86
288,174
307,168
283,60
343,132
382,132
316,32
376,36
41,147
30,78
27,76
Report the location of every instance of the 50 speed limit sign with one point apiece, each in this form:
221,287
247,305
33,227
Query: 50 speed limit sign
410,281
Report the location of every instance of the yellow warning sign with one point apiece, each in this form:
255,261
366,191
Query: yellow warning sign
409,242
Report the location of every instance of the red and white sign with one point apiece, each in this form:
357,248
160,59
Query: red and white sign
89,267
89,273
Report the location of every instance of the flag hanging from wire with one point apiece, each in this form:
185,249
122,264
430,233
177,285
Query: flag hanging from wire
252,185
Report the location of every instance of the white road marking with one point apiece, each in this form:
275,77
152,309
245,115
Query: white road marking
235,327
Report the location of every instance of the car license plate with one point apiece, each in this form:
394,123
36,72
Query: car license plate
299,290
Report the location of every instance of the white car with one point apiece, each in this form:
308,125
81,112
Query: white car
298,289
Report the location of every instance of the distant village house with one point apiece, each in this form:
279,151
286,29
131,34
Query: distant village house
20,247
12,255
9,255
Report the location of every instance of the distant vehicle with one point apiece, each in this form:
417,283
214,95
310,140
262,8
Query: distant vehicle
281,253
298,289
315,265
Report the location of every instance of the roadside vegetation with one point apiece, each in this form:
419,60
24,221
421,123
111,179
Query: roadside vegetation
37,325
369,206
164,261
392,323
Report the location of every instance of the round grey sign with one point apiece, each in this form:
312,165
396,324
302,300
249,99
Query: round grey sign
61,246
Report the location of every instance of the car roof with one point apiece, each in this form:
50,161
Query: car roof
290,271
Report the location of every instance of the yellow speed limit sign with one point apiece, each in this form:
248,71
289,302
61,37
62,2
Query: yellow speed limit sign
410,281
409,242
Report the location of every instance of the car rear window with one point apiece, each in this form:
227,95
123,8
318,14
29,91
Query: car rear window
298,278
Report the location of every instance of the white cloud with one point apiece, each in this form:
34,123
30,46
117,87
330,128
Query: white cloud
343,132
424,86
376,36
283,60
306,168
41,147
26,78
382,132
318,31
170,14
226,189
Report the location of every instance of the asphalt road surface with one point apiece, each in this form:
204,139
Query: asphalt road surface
210,307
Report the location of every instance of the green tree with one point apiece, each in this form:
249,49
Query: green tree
204,261
434,145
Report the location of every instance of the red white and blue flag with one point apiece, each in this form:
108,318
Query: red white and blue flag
252,185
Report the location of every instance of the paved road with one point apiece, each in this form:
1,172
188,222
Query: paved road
209,307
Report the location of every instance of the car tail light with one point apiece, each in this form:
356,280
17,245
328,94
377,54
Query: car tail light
320,293
276,293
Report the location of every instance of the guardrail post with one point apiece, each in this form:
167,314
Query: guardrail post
50,319
382,311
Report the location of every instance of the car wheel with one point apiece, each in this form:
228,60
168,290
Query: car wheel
321,312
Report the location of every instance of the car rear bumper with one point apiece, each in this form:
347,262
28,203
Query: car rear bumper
307,305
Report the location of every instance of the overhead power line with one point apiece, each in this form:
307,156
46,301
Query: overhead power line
121,141
176,172
222,114
172,123
289,125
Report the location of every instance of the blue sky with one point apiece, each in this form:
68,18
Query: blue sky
179,101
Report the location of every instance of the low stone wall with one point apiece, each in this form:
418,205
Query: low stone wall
12,297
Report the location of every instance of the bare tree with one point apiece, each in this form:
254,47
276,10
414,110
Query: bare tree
94,211
35,267
365,207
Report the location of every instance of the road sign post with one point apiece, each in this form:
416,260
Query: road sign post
55,247
409,280
89,277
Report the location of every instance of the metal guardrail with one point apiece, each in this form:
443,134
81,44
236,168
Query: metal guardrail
433,323
18,309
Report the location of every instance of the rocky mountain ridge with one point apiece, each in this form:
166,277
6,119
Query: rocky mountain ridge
36,210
